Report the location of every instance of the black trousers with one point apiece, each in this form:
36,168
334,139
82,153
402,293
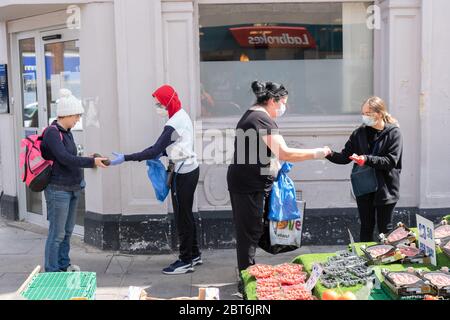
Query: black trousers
182,191
370,213
248,216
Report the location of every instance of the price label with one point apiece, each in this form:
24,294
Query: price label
426,238
315,276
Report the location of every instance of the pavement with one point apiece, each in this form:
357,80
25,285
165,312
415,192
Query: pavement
22,249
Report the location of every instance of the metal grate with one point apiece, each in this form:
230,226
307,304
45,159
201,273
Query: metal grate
61,286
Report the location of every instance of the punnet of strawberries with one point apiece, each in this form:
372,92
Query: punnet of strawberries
282,282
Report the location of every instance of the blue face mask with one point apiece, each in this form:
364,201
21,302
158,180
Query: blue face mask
368,121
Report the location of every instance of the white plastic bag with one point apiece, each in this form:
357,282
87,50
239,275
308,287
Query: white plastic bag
288,233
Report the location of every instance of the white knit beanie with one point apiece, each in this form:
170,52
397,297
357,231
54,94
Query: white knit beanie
68,105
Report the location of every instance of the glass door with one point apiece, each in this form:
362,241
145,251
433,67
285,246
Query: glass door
45,63
62,70
29,115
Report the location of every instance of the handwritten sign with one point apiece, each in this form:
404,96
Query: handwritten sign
315,276
426,238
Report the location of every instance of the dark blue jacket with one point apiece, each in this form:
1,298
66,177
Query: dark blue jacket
66,170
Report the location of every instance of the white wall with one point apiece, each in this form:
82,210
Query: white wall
139,72
99,87
8,165
435,106
400,42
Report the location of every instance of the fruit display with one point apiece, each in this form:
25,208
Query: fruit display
282,282
404,278
334,295
439,280
379,250
406,283
297,292
447,246
442,231
444,244
400,235
430,297
289,268
345,269
382,253
261,271
411,254
291,278
330,295
408,251
268,289
344,275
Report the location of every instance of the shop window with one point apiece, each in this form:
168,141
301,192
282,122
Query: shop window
321,52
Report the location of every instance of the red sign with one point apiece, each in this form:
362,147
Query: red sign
273,37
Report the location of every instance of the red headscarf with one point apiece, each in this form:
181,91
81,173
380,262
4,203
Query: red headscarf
168,97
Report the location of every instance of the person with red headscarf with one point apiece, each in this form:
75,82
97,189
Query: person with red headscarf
177,143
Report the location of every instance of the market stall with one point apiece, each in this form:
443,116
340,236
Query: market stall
395,269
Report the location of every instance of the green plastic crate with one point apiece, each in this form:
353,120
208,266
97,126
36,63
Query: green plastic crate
62,286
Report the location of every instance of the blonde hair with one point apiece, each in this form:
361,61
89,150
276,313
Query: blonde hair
376,104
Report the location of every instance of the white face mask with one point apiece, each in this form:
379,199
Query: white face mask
281,111
162,112
368,121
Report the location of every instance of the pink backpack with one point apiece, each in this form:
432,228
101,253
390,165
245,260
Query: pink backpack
35,170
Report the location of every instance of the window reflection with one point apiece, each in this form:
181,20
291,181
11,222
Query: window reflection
62,70
321,52
27,52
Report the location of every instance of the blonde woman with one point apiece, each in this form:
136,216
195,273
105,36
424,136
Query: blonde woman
377,144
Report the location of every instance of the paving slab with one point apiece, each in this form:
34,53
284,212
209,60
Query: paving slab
22,249
118,264
11,282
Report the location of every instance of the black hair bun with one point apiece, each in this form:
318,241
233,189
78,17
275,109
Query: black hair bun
259,88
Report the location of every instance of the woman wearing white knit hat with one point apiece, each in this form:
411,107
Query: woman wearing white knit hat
66,182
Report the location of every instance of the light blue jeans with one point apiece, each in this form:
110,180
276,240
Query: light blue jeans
61,214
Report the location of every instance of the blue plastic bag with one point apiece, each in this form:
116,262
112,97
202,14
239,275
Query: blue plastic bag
283,204
158,176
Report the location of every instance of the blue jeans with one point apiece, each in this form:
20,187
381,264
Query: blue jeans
61,214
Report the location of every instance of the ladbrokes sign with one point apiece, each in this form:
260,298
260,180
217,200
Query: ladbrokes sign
273,37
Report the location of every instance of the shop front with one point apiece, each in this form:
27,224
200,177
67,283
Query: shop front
329,55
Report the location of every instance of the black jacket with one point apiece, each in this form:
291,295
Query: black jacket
387,160
66,169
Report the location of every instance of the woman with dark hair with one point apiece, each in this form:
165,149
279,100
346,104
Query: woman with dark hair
377,144
258,147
